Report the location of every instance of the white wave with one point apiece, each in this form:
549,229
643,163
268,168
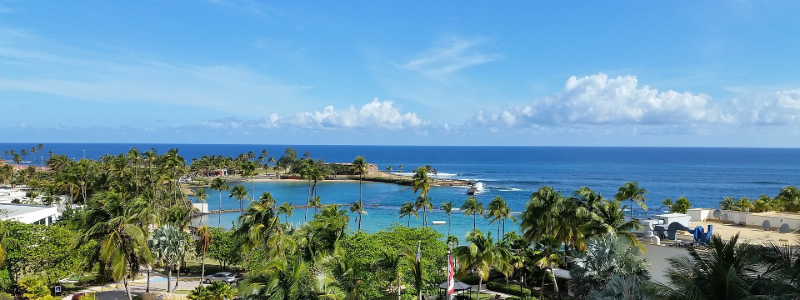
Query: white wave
509,189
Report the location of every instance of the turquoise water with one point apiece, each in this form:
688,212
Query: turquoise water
388,198
703,175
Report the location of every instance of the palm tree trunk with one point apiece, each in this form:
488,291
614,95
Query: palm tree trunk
474,219
147,290
409,221
308,200
178,278
399,276
504,228
480,282
555,284
219,214
127,290
448,225
541,288
424,217
169,279
360,198
203,267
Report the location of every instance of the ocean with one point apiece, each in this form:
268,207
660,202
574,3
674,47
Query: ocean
703,175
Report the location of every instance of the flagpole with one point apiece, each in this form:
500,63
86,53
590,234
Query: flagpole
450,281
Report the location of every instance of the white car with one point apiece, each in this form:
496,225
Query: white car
226,277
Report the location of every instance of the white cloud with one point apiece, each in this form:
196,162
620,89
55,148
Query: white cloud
451,55
376,114
782,107
598,99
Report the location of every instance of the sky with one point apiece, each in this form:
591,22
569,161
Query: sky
532,73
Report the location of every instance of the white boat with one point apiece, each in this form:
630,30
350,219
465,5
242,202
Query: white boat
438,222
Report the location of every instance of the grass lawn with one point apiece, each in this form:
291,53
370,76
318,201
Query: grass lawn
212,266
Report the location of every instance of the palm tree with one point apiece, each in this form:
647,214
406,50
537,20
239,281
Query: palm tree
480,256
257,226
473,207
360,167
631,191
204,238
727,203
240,193
606,256
267,200
286,209
169,245
249,171
728,269
355,207
389,263
119,237
407,210
610,218
448,209
306,168
219,185
422,183
281,279
201,196
425,204
315,202
500,212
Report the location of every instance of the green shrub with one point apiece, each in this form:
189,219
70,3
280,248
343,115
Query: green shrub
471,279
508,289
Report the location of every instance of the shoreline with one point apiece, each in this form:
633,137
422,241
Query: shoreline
381,177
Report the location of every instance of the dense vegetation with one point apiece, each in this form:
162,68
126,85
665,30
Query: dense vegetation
129,212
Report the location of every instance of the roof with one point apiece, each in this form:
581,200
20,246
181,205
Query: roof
459,286
16,210
561,273
675,215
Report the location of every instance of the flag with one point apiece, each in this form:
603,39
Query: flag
451,284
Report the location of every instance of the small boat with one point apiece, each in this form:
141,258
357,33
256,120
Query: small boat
438,222
472,190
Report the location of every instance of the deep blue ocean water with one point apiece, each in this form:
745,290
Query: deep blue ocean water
703,175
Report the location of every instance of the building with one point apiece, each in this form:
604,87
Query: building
29,214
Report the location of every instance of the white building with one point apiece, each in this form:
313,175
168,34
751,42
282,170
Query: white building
29,214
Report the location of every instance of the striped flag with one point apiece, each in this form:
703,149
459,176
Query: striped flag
451,284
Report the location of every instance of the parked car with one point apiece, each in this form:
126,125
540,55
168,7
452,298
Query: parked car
226,277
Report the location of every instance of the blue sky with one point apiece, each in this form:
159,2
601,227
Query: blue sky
596,73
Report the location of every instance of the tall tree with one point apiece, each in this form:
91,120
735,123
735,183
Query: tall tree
407,210
425,204
473,207
360,167
499,212
422,183
240,193
631,191
286,209
219,185
480,256
201,196
204,238
169,245
448,209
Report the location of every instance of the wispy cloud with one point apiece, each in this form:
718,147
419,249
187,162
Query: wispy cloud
449,56
31,65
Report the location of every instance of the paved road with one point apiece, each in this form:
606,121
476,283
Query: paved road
138,287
